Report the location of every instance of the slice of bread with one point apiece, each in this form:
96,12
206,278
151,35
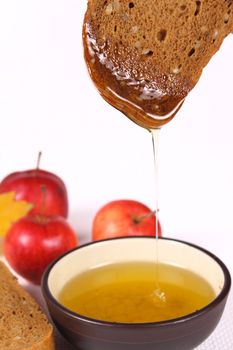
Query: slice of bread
23,326
151,53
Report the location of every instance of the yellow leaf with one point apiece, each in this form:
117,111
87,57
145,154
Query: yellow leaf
11,211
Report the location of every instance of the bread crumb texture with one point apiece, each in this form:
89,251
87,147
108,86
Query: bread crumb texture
176,37
22,323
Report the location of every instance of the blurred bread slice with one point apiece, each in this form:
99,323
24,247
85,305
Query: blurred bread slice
23,325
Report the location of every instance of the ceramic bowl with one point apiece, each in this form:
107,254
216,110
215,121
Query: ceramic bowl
178,334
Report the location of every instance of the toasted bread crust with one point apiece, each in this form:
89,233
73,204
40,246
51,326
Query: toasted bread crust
150,52
23,325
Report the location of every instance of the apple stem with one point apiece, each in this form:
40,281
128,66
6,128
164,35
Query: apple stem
43,201
38,160
139,219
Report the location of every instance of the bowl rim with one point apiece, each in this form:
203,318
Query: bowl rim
76,316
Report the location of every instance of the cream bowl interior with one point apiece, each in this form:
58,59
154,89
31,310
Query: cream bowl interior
135,249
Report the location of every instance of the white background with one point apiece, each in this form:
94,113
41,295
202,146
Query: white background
48,103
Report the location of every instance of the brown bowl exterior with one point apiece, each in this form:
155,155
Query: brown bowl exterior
184,333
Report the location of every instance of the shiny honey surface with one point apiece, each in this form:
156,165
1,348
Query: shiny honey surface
131,293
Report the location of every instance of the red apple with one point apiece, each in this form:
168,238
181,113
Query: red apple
27,186
35,241
124,218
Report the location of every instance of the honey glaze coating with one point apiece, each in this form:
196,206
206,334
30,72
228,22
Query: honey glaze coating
145,56
129,82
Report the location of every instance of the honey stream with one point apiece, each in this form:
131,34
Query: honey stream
155,134
145,95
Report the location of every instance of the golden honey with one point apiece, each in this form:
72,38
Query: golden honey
136,292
